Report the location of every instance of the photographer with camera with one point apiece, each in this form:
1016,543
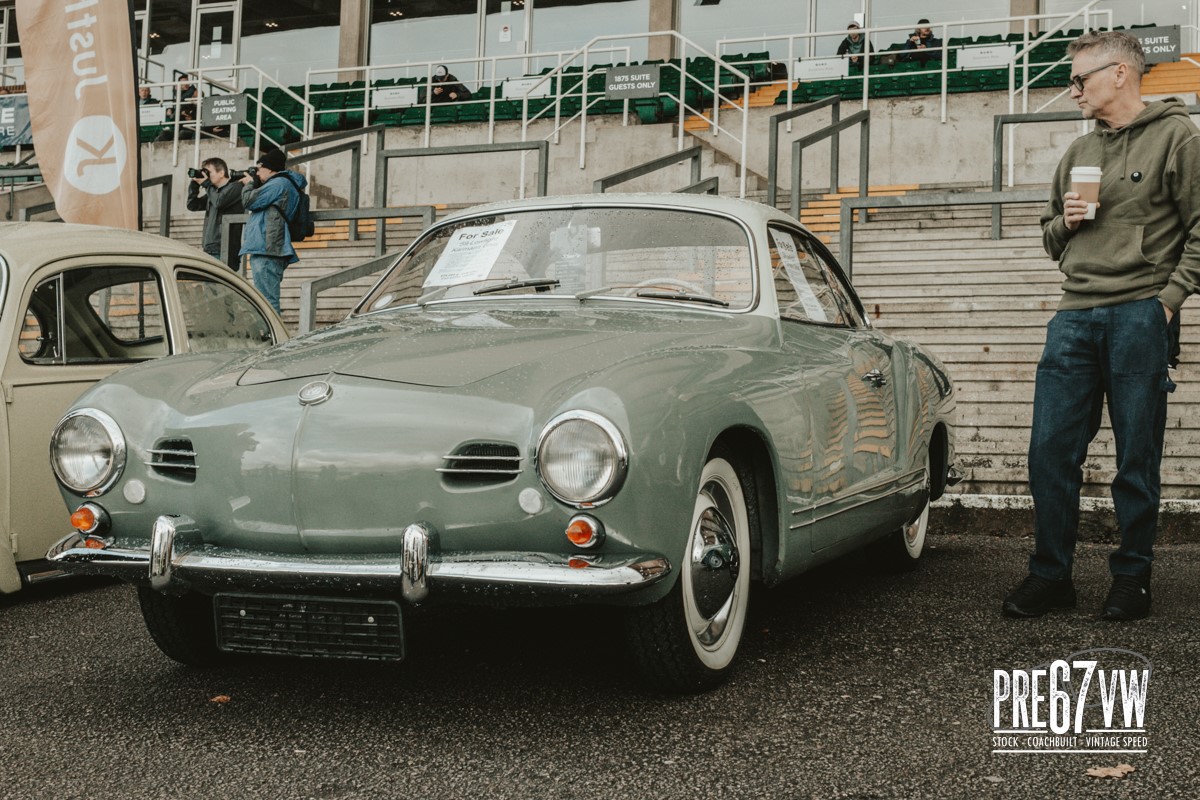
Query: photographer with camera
271,193
221,196
922,45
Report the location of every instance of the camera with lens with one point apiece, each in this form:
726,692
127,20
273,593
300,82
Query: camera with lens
200,172
238,174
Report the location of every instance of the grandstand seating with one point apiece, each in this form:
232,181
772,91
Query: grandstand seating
346,105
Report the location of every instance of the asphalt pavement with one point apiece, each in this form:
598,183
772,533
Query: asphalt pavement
853,684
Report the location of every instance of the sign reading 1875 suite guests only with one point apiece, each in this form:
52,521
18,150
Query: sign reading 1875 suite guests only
632,82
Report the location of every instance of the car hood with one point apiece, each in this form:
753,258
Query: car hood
457,348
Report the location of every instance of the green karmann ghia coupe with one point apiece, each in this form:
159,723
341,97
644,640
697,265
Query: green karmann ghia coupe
644,401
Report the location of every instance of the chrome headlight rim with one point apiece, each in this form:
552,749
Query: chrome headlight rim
115,436
609,491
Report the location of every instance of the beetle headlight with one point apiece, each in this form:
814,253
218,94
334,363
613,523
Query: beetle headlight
87,451
581,458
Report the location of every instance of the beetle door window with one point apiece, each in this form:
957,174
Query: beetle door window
219,317
800,282
95,315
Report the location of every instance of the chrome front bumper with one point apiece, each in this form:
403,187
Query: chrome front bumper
178,560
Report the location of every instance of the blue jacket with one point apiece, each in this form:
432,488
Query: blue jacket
270,205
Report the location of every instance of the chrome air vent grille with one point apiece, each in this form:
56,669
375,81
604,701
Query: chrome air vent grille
482,462
174,458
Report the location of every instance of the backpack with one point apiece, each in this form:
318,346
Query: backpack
300,223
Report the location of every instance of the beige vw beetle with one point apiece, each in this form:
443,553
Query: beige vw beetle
78,303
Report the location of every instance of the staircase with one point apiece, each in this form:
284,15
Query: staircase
1173,77
982,306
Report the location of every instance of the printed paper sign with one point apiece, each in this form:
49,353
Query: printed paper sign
998,55
786,247
152,115
394,97
516,88
470,254
815,69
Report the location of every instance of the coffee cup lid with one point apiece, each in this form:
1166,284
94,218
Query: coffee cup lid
1085,172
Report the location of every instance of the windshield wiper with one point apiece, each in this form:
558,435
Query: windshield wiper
540,283
686,296
432,295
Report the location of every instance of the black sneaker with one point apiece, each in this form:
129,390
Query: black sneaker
1036,595
1129,598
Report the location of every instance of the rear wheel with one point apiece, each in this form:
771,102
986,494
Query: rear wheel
903,548
182,626
687,641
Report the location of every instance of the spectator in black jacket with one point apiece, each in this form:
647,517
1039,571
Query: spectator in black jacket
922,45
855,45
221,196
446,88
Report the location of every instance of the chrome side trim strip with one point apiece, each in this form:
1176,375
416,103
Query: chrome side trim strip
912,479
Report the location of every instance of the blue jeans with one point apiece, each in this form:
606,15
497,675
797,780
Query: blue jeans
1120,353
267,272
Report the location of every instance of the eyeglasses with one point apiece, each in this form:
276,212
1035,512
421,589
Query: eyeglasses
1077,80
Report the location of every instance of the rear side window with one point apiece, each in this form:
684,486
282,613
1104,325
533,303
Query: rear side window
219,317
94,315
801,286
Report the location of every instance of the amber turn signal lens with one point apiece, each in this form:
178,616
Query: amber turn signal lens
578,563
93,544
84,519
580,532
585,531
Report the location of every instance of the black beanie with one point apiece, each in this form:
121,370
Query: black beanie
274,160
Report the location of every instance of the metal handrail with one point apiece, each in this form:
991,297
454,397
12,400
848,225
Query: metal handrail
720,66
943,68
355,147
164,203
773,143
995,199
382,157
1001,121
325,215
427,67
692,154
833,130
310,289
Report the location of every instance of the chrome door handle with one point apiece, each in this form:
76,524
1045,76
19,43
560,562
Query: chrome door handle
875,378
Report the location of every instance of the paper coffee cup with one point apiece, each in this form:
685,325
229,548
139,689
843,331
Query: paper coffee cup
1085,181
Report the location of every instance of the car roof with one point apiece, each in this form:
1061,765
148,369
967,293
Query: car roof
747,210
26,246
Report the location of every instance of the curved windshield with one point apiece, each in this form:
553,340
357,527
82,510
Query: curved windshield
585,253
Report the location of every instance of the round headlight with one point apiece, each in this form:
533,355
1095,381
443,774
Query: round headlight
87,451
582,458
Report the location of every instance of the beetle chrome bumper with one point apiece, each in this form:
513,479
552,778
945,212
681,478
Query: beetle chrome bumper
178,560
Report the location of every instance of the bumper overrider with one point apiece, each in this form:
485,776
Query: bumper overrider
177,560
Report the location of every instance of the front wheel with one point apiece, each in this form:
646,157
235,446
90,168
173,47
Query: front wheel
183,626
687,641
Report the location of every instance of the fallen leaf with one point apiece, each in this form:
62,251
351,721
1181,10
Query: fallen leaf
1119,771
221,698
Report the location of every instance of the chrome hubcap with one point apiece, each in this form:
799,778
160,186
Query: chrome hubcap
715,563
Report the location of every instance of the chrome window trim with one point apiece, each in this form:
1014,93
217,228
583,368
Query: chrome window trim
613,433
751,243
119,451
4,284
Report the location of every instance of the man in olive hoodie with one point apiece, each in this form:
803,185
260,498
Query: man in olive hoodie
1127,271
